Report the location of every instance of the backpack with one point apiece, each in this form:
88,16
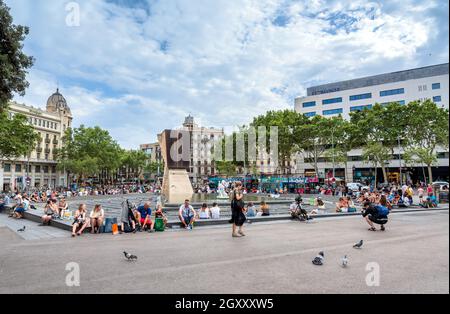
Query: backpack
383,211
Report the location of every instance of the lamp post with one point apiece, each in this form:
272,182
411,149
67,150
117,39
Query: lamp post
399,160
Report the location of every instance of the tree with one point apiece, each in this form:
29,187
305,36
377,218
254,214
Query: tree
288,122
135,160
382,127
314,137
13,62
377,154
427,129
89,151
17,138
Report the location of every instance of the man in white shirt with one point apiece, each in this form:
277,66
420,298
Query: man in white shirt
215,211
187,215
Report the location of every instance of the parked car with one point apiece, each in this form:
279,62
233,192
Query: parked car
440,184
355,186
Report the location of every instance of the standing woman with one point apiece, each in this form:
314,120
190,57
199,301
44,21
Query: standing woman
237,210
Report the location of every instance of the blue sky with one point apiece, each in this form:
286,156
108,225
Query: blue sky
138,67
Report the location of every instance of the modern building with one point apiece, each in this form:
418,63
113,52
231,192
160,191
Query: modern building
202,140
430,82
39,169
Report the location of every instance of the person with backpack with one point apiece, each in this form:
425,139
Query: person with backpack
375,214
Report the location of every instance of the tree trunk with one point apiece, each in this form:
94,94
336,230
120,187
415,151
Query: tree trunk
375,183
430,174
384,173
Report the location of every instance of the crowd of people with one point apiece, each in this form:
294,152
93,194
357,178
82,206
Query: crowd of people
375,205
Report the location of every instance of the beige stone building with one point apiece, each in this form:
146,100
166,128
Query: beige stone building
39,169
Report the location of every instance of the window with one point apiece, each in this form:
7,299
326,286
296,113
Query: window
442,155
53,169
7,167
38,169
310,114
331,101
18,168
400,102
424,87
332,111
360,96
437,98
39,122
360,108
436,86
35,121
392,92
45,169
309,104
420,88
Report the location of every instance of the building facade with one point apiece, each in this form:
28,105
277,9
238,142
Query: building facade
431,82
38,170
201,142
153,152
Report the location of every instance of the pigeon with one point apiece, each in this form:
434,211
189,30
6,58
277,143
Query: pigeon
129,256
21,230
358,245
318,260
344,261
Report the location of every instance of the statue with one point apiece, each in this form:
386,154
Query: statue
221,190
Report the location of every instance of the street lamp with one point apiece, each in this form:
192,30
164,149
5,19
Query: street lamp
399,160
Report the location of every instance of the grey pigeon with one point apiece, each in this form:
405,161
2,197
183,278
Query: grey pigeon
22,229
129,256
318,260
344,261
358,245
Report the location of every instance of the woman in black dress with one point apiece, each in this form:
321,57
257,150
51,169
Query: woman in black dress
237,210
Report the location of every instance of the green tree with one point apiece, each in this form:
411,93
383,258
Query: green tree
89,151
288,123
427,129
135,160
17,138
13,62
382,127
377,154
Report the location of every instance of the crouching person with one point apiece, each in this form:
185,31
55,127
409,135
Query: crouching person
375,214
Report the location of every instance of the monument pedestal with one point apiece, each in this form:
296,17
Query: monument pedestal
176,186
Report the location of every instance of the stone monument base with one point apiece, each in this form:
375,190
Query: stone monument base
176,186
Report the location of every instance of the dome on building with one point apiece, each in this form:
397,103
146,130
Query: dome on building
57,102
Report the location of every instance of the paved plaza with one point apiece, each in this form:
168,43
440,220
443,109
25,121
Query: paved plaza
274,257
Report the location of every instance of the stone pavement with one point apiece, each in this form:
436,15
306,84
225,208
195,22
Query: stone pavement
33,230
412,254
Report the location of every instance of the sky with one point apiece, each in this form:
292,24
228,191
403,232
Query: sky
138,67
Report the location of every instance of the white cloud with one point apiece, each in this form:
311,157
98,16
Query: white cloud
222,61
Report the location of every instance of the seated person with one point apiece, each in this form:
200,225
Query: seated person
297,211
127,217
264,207
80,222
341,205
97,216
62,207
145,217
50,211
251,210
187,215
215,211
351,205
204,212
22,205
375,214
429,202
160,214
